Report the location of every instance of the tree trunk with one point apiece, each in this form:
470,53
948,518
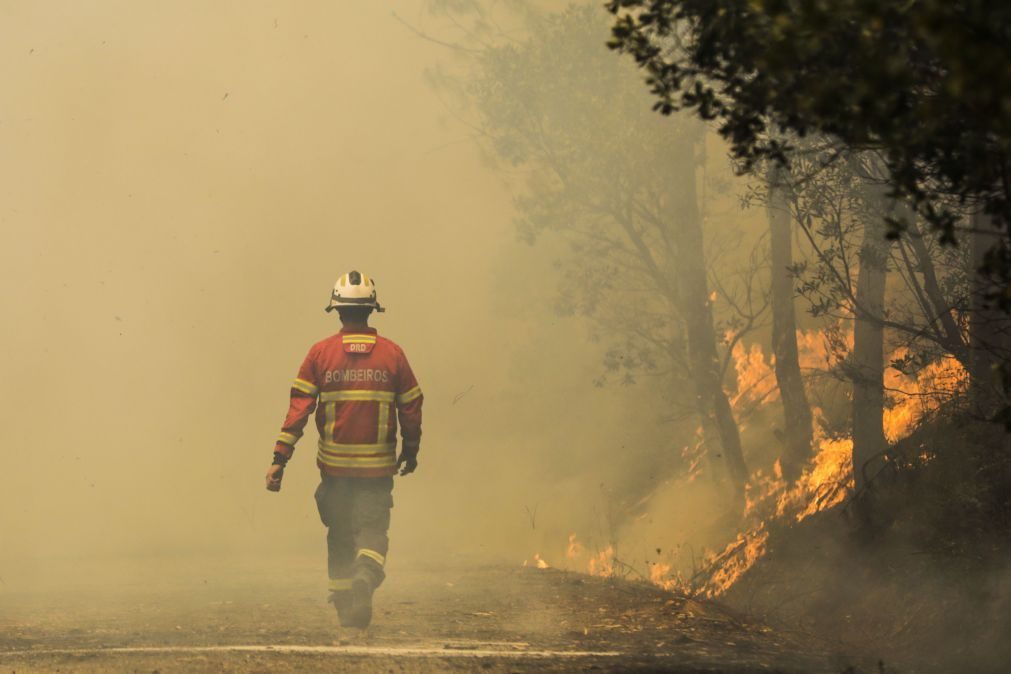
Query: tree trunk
719,426
986,325
868,358
799,432
989,360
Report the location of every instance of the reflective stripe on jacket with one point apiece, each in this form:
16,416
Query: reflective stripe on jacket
360,385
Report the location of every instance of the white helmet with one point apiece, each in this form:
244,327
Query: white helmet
354,289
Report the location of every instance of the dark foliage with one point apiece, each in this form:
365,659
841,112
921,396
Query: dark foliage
928,487
926,82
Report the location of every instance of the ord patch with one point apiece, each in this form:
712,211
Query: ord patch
359,343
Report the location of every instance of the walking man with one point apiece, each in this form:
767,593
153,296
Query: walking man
360,385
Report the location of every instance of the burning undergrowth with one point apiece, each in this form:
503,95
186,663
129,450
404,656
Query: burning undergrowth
771,503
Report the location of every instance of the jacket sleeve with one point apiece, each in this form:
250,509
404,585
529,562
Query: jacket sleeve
409,400
304,391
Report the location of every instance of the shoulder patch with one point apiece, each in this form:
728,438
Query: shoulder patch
358,343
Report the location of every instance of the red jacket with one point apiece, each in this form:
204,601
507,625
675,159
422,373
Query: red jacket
359,378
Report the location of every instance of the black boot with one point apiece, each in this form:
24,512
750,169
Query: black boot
342,602
360,614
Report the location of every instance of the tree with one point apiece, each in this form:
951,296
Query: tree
694,300
924,82
918,312
988,328
797,416
621,186
868,358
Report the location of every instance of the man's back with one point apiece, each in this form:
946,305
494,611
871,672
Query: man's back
359,385
360,379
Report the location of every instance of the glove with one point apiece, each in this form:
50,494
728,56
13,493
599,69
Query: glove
274,475
409,462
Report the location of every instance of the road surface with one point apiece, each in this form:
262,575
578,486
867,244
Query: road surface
480,618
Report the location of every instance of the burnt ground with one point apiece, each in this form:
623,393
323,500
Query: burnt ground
484,618
914,610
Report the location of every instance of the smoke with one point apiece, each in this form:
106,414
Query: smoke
181,185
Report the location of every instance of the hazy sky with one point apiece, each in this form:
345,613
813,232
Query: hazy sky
180,185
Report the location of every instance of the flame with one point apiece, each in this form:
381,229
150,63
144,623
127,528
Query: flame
538,562
574,549
825,482
739,556
761,487
756,378
822,349
660,574
693,454
756,382
602,564
826,479
911,399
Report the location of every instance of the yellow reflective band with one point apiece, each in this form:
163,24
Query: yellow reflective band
385,461
305,386
379,463
339,584
384,422
358,396
330,413
359,339
365,279
287,438
373,555
407,397
338,448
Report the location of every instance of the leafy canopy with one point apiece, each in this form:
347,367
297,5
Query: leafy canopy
925,82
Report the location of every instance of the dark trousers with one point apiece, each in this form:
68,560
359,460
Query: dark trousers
356,512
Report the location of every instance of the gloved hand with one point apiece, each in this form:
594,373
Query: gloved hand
274,475
409,461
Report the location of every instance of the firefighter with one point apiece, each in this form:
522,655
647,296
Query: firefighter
360,385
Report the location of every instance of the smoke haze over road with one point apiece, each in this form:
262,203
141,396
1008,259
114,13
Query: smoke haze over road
180,186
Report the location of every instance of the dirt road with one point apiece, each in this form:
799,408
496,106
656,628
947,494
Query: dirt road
494,618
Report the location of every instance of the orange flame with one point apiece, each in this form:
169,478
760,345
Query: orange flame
602,564
538,562
574,549
814,348
755,380
660,573
735,560
913,398
825,481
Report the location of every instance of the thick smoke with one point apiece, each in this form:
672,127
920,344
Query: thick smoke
181,185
